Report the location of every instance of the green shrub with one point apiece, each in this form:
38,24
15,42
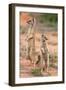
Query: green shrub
36,72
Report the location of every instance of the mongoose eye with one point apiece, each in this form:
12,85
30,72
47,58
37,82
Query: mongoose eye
29,21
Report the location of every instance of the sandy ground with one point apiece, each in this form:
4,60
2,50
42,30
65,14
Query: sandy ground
27,66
